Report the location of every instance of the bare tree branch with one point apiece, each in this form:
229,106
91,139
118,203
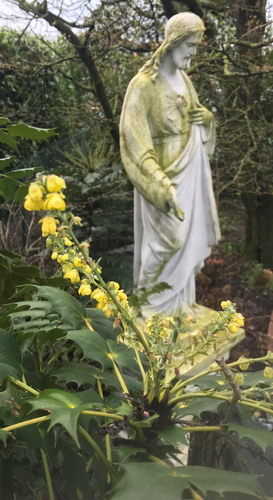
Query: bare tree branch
84,54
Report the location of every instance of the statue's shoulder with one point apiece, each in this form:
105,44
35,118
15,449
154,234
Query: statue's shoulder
141,82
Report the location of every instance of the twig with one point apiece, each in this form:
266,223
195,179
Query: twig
235,388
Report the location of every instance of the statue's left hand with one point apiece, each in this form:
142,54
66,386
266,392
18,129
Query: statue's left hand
200,116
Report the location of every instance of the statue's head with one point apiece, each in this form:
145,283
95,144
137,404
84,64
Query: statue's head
182,26
179,28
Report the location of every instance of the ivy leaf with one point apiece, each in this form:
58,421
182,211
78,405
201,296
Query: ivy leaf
156,482
29,132
69,309
92,344
261,437
10,356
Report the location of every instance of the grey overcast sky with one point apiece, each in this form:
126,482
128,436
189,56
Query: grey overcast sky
14,18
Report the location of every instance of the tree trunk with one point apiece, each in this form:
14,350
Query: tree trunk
251,19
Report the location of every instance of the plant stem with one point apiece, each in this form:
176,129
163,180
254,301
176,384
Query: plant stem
144,377
51,495
119,377
22,385
102,414
25,423
180,385
107,437
110,469
157,460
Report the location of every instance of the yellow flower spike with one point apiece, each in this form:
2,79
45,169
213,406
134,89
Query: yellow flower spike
54,183
77,261
268,372
49,225
108,311
233,328
32,206
225,304
54,256
114,285
35,191
72,275
68,242
55,201
85,289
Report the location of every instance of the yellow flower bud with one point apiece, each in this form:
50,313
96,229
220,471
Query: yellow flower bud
244,365
85,289
86,268
64,257
32,206
114,285
76,220
238,319
54,183
49,225
99,295
54,256
268,372
233,328
35,192
55,201
239,378
77,261
73,276
68,242
225,304
121,295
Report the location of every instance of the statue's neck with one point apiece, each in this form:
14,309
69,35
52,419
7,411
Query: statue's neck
172,75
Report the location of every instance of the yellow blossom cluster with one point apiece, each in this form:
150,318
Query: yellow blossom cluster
234,320
105,302
160,327
46,194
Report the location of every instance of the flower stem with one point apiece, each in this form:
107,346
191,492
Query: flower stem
110,469
25,423
119,377
22,385
144,377
51,495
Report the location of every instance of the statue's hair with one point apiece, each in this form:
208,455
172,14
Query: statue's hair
178,28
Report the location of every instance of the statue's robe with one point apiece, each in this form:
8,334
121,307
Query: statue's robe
160,148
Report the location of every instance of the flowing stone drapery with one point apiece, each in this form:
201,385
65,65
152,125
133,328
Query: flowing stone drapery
160,148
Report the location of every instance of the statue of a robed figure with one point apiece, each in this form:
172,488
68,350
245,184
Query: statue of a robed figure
167,137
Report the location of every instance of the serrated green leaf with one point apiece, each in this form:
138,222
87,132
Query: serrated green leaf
54,399
4,162
92,344
251,379
69,309
10,356
8,139
196,407
3,120
133,384
68,418
23,172
29,132
124,356
8,188
101,324
80,373
125,452
261,437
156,482
173,435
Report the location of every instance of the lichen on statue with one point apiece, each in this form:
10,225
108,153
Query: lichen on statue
167,137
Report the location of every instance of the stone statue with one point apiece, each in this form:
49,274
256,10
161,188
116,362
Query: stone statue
167,137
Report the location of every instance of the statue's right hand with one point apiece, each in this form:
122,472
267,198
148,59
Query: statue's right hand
173,206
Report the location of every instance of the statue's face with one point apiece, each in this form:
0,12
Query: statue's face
182,53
